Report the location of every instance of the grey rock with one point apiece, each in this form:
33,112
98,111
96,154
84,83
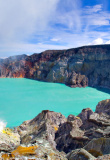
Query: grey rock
105,157
98,147
103,107
40,150
75,120
100,119
80,154
69,137
9,140
44,125
84,116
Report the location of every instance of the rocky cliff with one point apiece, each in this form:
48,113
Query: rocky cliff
51,136
83,66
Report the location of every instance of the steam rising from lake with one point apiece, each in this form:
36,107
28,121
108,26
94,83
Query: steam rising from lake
2,125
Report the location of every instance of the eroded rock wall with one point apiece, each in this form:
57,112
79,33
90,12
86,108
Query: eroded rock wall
78,67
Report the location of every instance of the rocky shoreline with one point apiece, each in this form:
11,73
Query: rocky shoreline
77,67
51,136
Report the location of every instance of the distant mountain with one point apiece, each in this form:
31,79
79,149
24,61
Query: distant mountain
77,67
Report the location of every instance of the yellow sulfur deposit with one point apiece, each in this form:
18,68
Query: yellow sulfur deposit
78,117
55,128
9,132
25,151
7,156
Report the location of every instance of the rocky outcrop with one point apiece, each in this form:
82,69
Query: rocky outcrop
105,157
77,80
9,140
41,150
98,147
51,136
103,107
45,125
100,119
80,154
77,67
69,136
84,116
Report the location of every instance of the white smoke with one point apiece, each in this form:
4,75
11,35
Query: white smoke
2,125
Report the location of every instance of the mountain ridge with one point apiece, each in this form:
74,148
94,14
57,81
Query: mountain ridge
75,67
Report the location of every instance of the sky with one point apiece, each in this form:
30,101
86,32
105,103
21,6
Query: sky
32,26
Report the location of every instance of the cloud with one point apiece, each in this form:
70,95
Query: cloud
93,9
108,42
97,8
55,39
21,19
68,14
94,15
32,26
97,41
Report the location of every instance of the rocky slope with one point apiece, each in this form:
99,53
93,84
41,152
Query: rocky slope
82,66
51,136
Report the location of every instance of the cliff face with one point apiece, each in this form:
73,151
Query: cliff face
82,66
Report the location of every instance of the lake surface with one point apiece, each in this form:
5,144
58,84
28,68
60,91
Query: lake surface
23,99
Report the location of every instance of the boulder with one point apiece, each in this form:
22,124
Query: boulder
100,126
84,116
9,140
44,125
69,137
103,107
105,157
100,119
98,147
75,120
80,154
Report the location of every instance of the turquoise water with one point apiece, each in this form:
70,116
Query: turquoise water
22,99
